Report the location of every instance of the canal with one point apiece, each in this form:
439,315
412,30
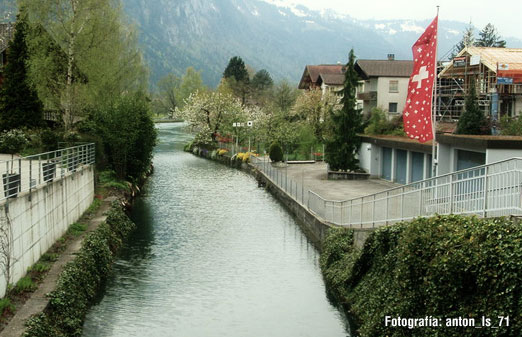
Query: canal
214,255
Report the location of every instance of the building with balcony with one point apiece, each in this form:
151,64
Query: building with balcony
6,35
384,84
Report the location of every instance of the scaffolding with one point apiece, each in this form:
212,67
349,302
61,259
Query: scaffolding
456,77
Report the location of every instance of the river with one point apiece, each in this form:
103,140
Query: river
214,255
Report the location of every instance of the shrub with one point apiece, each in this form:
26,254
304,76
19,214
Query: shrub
40,267
81,279
25,284
511,126
443,266
5,304
275,152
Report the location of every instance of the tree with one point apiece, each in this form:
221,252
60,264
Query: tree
489,38
167,101
19,103
191,82
284,96
261,84
472,121
128,135
468,40
343,144
95,40
236,75
314,109
212,113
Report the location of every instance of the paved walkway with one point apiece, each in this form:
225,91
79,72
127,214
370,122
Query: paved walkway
315,178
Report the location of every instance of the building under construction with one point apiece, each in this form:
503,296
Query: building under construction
497,73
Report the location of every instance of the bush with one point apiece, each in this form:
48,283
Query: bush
128,134
25,284
378,124
511,126
443,266
82,278
275,152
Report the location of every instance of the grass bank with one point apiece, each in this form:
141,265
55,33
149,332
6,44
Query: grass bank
447,267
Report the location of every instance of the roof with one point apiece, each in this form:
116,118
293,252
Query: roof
332,79
490,56
384,68
312,73
6,34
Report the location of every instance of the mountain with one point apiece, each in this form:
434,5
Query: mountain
207,33
282,39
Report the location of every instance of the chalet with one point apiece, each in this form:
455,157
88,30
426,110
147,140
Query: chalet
327,77
497,74
384,84
6,35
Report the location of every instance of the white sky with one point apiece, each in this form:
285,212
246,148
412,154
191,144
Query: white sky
504,15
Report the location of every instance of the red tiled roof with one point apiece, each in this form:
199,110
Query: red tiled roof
384,68
312,72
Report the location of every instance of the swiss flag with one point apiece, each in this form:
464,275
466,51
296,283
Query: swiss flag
417,112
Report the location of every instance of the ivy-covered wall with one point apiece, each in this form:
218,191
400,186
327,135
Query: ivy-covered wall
443,266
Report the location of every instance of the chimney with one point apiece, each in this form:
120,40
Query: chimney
391,57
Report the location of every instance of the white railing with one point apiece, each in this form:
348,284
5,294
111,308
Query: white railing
27,173
487,191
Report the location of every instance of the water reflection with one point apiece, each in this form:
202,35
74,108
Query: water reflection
213,256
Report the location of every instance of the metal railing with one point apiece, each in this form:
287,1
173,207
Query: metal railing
487,191
27,173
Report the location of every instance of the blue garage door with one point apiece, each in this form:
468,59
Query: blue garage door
386,163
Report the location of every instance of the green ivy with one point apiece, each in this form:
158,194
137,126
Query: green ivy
82,278
443,266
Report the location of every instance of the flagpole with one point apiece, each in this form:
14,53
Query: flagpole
434,158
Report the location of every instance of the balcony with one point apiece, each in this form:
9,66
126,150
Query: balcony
367,96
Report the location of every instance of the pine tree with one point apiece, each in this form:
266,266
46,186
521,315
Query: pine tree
472,121
468,40
19,103
237,76
489,38
346,123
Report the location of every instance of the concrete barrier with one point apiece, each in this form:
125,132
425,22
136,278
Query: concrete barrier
40,217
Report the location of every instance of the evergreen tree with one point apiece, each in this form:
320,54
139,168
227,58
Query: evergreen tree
236,75
19,103
472,121
489,38
343,144
468,40
262,80
236,68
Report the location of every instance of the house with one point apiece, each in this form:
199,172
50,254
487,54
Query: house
497,74
384,84
327,77
6,35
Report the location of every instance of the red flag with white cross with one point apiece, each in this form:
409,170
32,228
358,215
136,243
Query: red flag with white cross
417,112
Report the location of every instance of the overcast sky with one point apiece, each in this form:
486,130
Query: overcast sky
504,15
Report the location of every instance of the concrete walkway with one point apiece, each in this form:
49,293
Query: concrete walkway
315,178
38,301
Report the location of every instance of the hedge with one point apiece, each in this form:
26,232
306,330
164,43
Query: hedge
443,266
82,278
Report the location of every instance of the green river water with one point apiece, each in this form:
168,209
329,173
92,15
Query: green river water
214,255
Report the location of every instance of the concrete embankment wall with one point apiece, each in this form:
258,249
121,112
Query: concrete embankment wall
39,218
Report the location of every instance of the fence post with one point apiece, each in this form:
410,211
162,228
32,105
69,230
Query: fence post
485,212
451,193
386,209
402,203
373,212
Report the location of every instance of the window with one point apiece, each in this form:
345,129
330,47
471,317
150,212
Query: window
394,86
392,107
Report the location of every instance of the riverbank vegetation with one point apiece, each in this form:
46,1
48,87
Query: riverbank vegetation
248,111
82,278
443,266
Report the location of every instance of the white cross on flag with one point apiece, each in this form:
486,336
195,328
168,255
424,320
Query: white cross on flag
417,112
